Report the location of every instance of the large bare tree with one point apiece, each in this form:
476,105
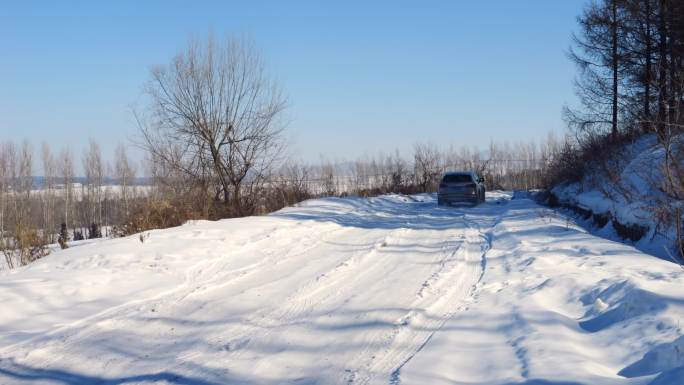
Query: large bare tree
215,116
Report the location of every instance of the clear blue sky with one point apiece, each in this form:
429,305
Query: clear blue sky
361,76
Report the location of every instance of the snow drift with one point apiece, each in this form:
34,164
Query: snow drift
624,198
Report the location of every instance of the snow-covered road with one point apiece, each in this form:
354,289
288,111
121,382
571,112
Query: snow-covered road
387,290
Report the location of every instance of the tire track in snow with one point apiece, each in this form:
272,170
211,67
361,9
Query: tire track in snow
332,290
326,288
428,315
483,240
221,280
73,333
263,323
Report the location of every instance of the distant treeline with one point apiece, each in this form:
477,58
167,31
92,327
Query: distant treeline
40,182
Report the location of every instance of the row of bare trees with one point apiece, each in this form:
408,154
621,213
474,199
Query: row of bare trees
35,211
519,166
504,166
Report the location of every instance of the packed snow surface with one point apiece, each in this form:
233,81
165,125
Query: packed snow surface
387,290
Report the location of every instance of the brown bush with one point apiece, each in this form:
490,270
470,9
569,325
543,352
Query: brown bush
23,245
155,213
592,150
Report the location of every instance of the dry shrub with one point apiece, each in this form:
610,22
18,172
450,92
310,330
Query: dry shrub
163,212
62,243
23,245
571,162
282,195
566,166
155,213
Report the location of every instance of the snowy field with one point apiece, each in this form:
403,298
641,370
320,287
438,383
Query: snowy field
387,290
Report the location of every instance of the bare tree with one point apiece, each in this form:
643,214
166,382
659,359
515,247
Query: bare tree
125,175
4,183
24,244
48,192
8,169
426,163
398,170
214,115
93,168
25,181
66,170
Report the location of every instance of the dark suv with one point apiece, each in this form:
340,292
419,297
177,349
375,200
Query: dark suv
461,187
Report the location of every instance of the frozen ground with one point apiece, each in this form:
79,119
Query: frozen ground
388,290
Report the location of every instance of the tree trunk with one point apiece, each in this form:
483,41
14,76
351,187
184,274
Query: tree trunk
237,207
647,69
216,159
662,67
615,68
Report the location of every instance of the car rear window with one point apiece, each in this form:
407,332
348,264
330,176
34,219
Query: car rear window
457,178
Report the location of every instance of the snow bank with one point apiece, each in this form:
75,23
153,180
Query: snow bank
629,204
